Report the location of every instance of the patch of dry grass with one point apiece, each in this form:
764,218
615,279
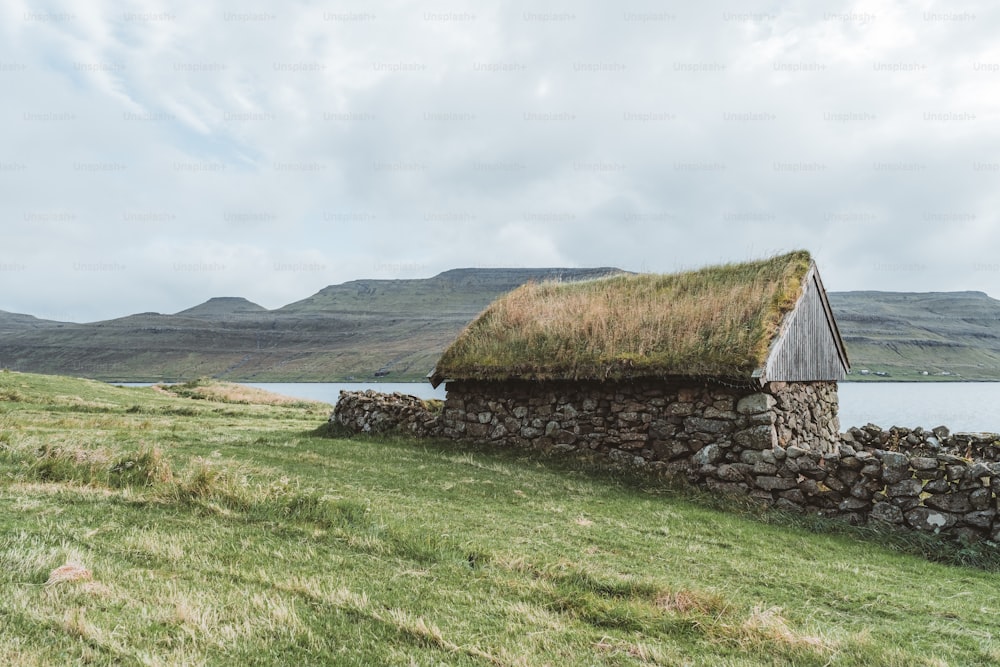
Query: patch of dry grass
68,573
715,321
691,602
231,392
765,629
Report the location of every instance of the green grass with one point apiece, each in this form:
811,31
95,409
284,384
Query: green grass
950,336
717,321
237,536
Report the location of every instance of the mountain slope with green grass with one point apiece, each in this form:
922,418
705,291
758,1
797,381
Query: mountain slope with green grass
205,525
397,330
360,330
920,336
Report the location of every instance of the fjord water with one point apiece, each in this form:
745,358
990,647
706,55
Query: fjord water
961,406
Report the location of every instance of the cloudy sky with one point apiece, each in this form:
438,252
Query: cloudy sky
153,155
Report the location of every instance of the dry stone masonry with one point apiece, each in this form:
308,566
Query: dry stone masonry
373,412
781,445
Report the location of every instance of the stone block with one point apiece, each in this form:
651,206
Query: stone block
853,504
941,432
565,437
923,463
712,426
775,483
757,437
955,471
908,487
729,473
835,484
851,463
679,410
937,486
905,503
847,476
956,502
478,430
794,495
887,512
795,452
755,404
929,520
981,499
707,455
873,469
763,468
981,519
977,472
726,488
862,492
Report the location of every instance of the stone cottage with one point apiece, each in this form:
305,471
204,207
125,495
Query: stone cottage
653,370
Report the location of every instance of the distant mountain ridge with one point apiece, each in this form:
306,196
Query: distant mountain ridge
18,322
397,329
358,330
920,335
221,306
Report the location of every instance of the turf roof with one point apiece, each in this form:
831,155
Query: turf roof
718,321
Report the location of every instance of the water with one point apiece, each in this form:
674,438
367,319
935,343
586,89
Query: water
961,406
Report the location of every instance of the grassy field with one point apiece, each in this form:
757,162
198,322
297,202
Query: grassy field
210,525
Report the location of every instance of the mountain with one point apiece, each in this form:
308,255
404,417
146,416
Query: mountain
397,329
920,336
223,306
452,293
16,322
362,329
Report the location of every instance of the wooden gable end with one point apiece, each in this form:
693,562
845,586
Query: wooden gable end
808,346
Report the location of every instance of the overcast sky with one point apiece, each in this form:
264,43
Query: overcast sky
153,155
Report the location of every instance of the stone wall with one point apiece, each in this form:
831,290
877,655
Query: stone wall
806,414
650,423
780,445
373,412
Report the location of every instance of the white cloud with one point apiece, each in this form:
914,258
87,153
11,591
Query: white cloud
395,140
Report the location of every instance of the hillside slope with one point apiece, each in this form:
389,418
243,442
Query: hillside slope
397,329
361,329
920,336
191,527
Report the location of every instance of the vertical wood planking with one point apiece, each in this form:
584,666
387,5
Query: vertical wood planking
807,348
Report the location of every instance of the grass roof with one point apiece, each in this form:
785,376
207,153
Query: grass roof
718,321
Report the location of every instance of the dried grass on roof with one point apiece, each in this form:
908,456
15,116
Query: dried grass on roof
717,321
